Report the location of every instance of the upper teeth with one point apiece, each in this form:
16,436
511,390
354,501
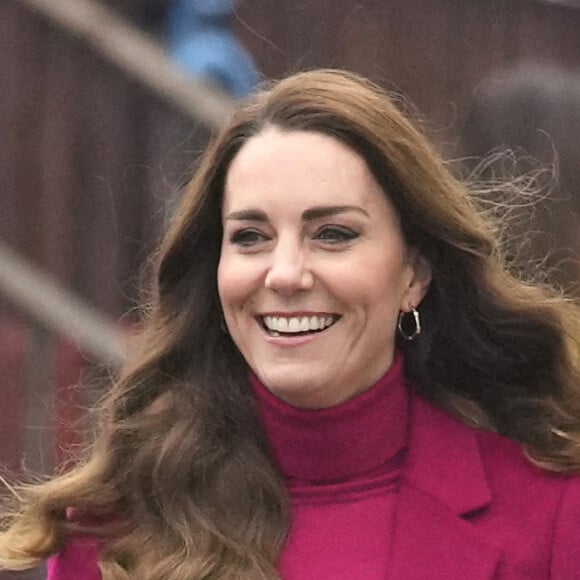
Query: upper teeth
297,323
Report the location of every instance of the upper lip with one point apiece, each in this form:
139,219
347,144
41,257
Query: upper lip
298,313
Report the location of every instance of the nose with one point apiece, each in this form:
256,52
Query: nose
288,271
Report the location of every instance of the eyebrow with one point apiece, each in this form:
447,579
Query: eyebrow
313,213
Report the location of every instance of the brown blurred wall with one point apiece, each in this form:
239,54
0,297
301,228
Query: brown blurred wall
435,52
89,158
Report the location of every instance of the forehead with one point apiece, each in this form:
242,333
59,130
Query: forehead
299,166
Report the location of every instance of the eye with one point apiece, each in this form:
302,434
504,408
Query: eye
247,238
335,234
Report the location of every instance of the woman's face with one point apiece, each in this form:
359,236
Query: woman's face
313,269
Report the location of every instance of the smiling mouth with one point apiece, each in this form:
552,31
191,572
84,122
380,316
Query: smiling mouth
297,325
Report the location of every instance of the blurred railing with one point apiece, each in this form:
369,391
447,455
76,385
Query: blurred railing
135,53
98,130
52,337
56,310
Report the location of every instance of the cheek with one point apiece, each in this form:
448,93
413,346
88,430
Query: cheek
376,283
236,281
225,281
383,295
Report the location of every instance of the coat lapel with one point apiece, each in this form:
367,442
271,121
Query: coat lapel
444,482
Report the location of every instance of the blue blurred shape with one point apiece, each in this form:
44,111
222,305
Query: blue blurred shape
201,41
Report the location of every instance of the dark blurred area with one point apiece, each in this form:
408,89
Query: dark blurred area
532,112
93,154
149,15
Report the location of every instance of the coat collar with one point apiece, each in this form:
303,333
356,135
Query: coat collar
444,482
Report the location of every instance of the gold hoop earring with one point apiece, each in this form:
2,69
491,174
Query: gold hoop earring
416,322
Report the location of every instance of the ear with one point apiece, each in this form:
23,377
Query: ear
420,278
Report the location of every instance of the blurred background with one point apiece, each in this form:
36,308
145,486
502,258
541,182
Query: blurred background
105,105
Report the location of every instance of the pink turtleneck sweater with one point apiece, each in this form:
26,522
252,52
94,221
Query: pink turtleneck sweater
342,467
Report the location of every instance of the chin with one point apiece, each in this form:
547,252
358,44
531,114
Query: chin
306,395
292,390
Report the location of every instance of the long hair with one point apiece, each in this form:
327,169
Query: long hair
181,462
525,121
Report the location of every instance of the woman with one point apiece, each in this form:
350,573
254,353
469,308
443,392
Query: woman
337,377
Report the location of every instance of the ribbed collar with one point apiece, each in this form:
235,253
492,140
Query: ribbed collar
340,443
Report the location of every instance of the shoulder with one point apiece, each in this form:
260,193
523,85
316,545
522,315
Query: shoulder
512,473
499,452
445,444
514,478
532,515
506,458
501,457
540,500
566,545
79,556
78,560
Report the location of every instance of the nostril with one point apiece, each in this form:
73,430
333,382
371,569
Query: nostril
288,279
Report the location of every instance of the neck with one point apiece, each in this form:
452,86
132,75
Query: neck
340,442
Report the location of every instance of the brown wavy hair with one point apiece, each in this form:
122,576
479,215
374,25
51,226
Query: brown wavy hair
180,461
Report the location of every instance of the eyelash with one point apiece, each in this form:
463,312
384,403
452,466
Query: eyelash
247,238
339,234
332,235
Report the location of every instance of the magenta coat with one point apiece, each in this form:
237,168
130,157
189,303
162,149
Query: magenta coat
470,507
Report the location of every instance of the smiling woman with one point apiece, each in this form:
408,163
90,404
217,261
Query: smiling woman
338,376
309,234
